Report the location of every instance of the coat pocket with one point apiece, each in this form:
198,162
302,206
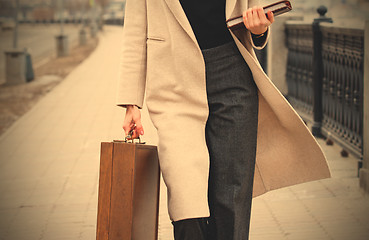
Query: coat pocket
157,39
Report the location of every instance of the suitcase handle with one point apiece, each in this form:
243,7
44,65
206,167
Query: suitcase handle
129,138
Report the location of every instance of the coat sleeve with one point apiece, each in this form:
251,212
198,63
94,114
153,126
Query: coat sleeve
132,77
258,43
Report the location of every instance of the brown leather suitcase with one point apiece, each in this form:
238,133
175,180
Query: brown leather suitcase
129,183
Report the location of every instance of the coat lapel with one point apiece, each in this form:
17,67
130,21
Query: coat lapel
177,10
230,5
234,8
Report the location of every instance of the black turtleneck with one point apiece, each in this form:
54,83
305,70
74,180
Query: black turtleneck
207,19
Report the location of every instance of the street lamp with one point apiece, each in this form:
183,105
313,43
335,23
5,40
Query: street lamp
61,39
82,32
15,32
93,18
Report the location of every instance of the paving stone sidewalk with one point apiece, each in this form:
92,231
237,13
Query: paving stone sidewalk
49,165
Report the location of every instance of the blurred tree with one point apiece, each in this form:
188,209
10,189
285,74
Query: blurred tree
103,3
7,6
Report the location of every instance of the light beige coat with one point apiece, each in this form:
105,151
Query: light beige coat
161,55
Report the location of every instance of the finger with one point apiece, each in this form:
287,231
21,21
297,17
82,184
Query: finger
139,127
270,16
262,17
255,15
135,134
137,119
244,17
128,124
250,19
126,127
126,131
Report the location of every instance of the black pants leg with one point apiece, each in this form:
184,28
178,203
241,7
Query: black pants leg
191,229
231,133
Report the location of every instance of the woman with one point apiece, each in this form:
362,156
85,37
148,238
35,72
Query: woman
215,112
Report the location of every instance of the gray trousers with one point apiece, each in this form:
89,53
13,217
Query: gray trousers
231,132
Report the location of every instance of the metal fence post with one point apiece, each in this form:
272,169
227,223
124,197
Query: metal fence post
364,171
318,71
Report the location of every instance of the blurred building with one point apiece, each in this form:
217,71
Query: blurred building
46,8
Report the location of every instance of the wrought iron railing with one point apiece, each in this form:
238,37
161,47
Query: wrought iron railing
343,52
342,81
299,67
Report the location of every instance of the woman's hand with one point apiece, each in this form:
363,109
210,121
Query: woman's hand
256,21
132,120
